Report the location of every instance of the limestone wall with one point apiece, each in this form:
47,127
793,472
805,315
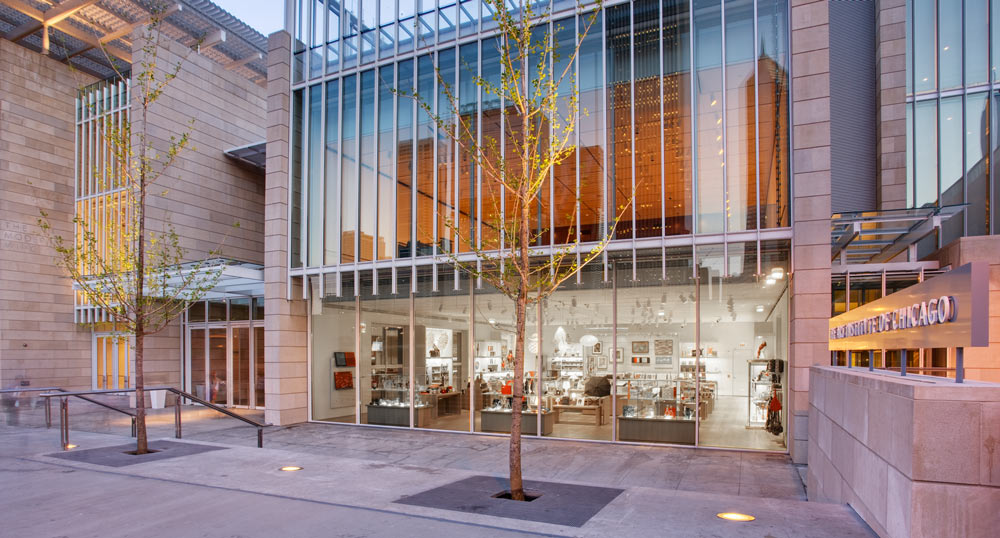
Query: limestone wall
915,456
38,339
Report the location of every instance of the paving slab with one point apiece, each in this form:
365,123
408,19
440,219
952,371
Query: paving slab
242,492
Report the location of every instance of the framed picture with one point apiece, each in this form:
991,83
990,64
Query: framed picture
602,363
640,346
597,349
636,360
349,358
645,360
343,380
663,347
664,361
620,355
339,359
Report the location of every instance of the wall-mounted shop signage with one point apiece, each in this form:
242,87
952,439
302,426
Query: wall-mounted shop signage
949,310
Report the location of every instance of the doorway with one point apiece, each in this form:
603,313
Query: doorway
226,364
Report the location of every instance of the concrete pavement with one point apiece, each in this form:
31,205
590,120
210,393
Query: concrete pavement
240,492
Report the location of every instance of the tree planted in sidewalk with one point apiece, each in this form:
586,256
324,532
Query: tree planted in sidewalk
536,82
138,277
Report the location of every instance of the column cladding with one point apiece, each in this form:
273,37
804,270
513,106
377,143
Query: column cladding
811,199
285,322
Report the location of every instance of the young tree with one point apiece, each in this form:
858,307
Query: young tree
128,271
538,87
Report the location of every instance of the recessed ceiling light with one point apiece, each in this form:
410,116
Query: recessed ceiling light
661,313
760,308
735,516
769,281
290,468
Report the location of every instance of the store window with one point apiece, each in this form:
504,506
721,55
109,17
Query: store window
384,363
334,353
743,370
493,368
442,355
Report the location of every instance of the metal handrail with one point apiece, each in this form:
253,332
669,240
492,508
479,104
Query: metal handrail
64,410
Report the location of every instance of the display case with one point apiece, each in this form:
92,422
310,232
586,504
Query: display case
499,420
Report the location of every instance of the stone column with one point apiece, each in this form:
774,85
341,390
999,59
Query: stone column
810,281
890,68
285,322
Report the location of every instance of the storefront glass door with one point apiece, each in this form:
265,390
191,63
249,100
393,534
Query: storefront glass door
227,364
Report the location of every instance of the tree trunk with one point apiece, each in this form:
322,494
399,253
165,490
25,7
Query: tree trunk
517,393
141,446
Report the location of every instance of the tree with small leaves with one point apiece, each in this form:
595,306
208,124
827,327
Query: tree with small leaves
538,87
140,278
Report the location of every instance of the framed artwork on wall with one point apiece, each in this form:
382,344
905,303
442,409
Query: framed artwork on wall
620,355
597,349
343,380
664,361
663,347
602,363
339,359
349,358
640,346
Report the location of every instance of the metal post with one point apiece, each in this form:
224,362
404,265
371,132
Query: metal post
260,437
902,362
177,418
64,423
959,365
871,360
48,413
133,427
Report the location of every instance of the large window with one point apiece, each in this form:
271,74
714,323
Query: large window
678,346
682,128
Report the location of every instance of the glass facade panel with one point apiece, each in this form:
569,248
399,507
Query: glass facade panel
493,325
314,194
332,171
952,168
491,202
677,148
295,241
468,94
368,186
385,244
591,129
977,173
709,142
468,17
445,194
977,30
741,136
926,149
950,45
648,130
564,185
425,159
349,169
925,46
619,107
404,166
773,106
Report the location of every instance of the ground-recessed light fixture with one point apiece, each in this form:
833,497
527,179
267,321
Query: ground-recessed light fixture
735,516
69,446
291,468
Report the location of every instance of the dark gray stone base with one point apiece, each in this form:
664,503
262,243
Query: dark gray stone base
117,456
560,504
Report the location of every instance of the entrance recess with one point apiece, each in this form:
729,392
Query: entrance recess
112,357
227,364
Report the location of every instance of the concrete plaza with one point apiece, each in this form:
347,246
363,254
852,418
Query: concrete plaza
352,477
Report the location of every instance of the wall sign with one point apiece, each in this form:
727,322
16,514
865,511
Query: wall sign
949,310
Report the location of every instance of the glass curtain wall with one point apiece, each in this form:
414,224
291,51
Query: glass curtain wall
952,51
666,149
676,347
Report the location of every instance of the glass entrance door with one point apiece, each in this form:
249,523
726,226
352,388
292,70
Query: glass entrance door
241,364
227,364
